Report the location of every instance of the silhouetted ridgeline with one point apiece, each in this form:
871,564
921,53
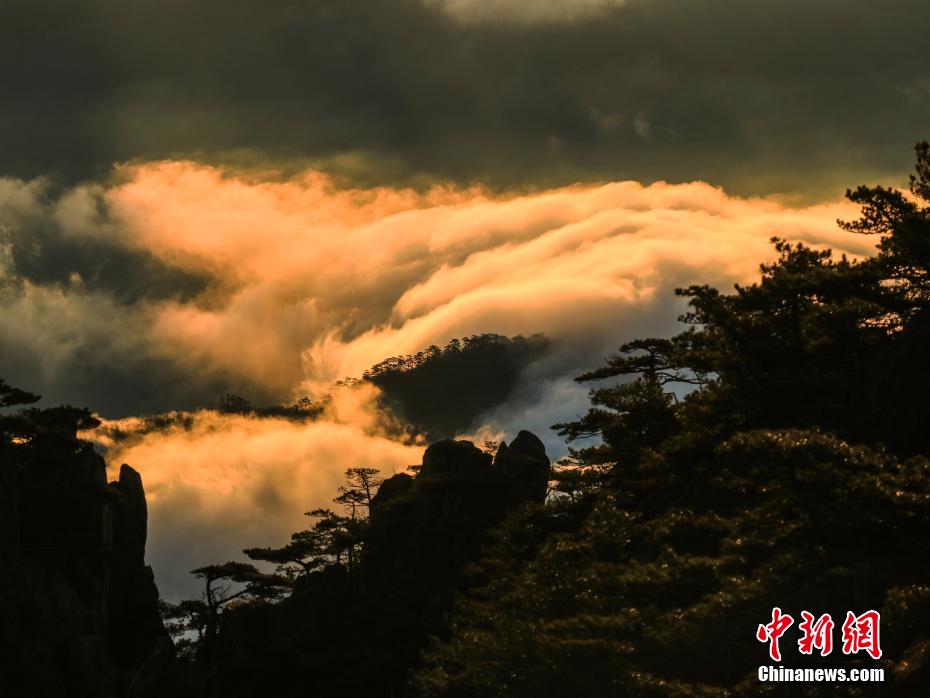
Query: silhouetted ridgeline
438,392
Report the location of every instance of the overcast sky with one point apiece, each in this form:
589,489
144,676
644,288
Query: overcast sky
797,96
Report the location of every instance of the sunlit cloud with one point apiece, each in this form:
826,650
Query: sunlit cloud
343,278
217,483
291,284
294,284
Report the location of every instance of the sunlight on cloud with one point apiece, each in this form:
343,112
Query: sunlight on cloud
307,283
321,283
217,483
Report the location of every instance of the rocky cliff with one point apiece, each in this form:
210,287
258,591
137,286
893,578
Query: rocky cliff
78,606
356,634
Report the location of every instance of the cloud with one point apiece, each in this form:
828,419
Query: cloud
765,96
303,281
217,483
70,239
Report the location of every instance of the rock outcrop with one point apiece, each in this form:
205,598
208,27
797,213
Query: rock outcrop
423,529
392,488
78,606
526,464
454,458
350,635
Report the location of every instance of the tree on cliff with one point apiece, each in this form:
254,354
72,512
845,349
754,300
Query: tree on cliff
194,623
355,499
361,485
305,553
332,537
14,426
186,621
22,426
326,543
10,396
224,585
331,541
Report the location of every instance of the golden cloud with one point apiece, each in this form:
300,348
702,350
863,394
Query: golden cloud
217,483
311,282
323,282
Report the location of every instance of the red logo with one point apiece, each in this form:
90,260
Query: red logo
817,635
773,631
860,633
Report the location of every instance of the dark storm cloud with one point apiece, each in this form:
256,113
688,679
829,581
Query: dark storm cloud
742,94
72,241
76,300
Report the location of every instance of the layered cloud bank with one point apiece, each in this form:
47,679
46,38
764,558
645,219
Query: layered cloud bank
176,282
179,281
